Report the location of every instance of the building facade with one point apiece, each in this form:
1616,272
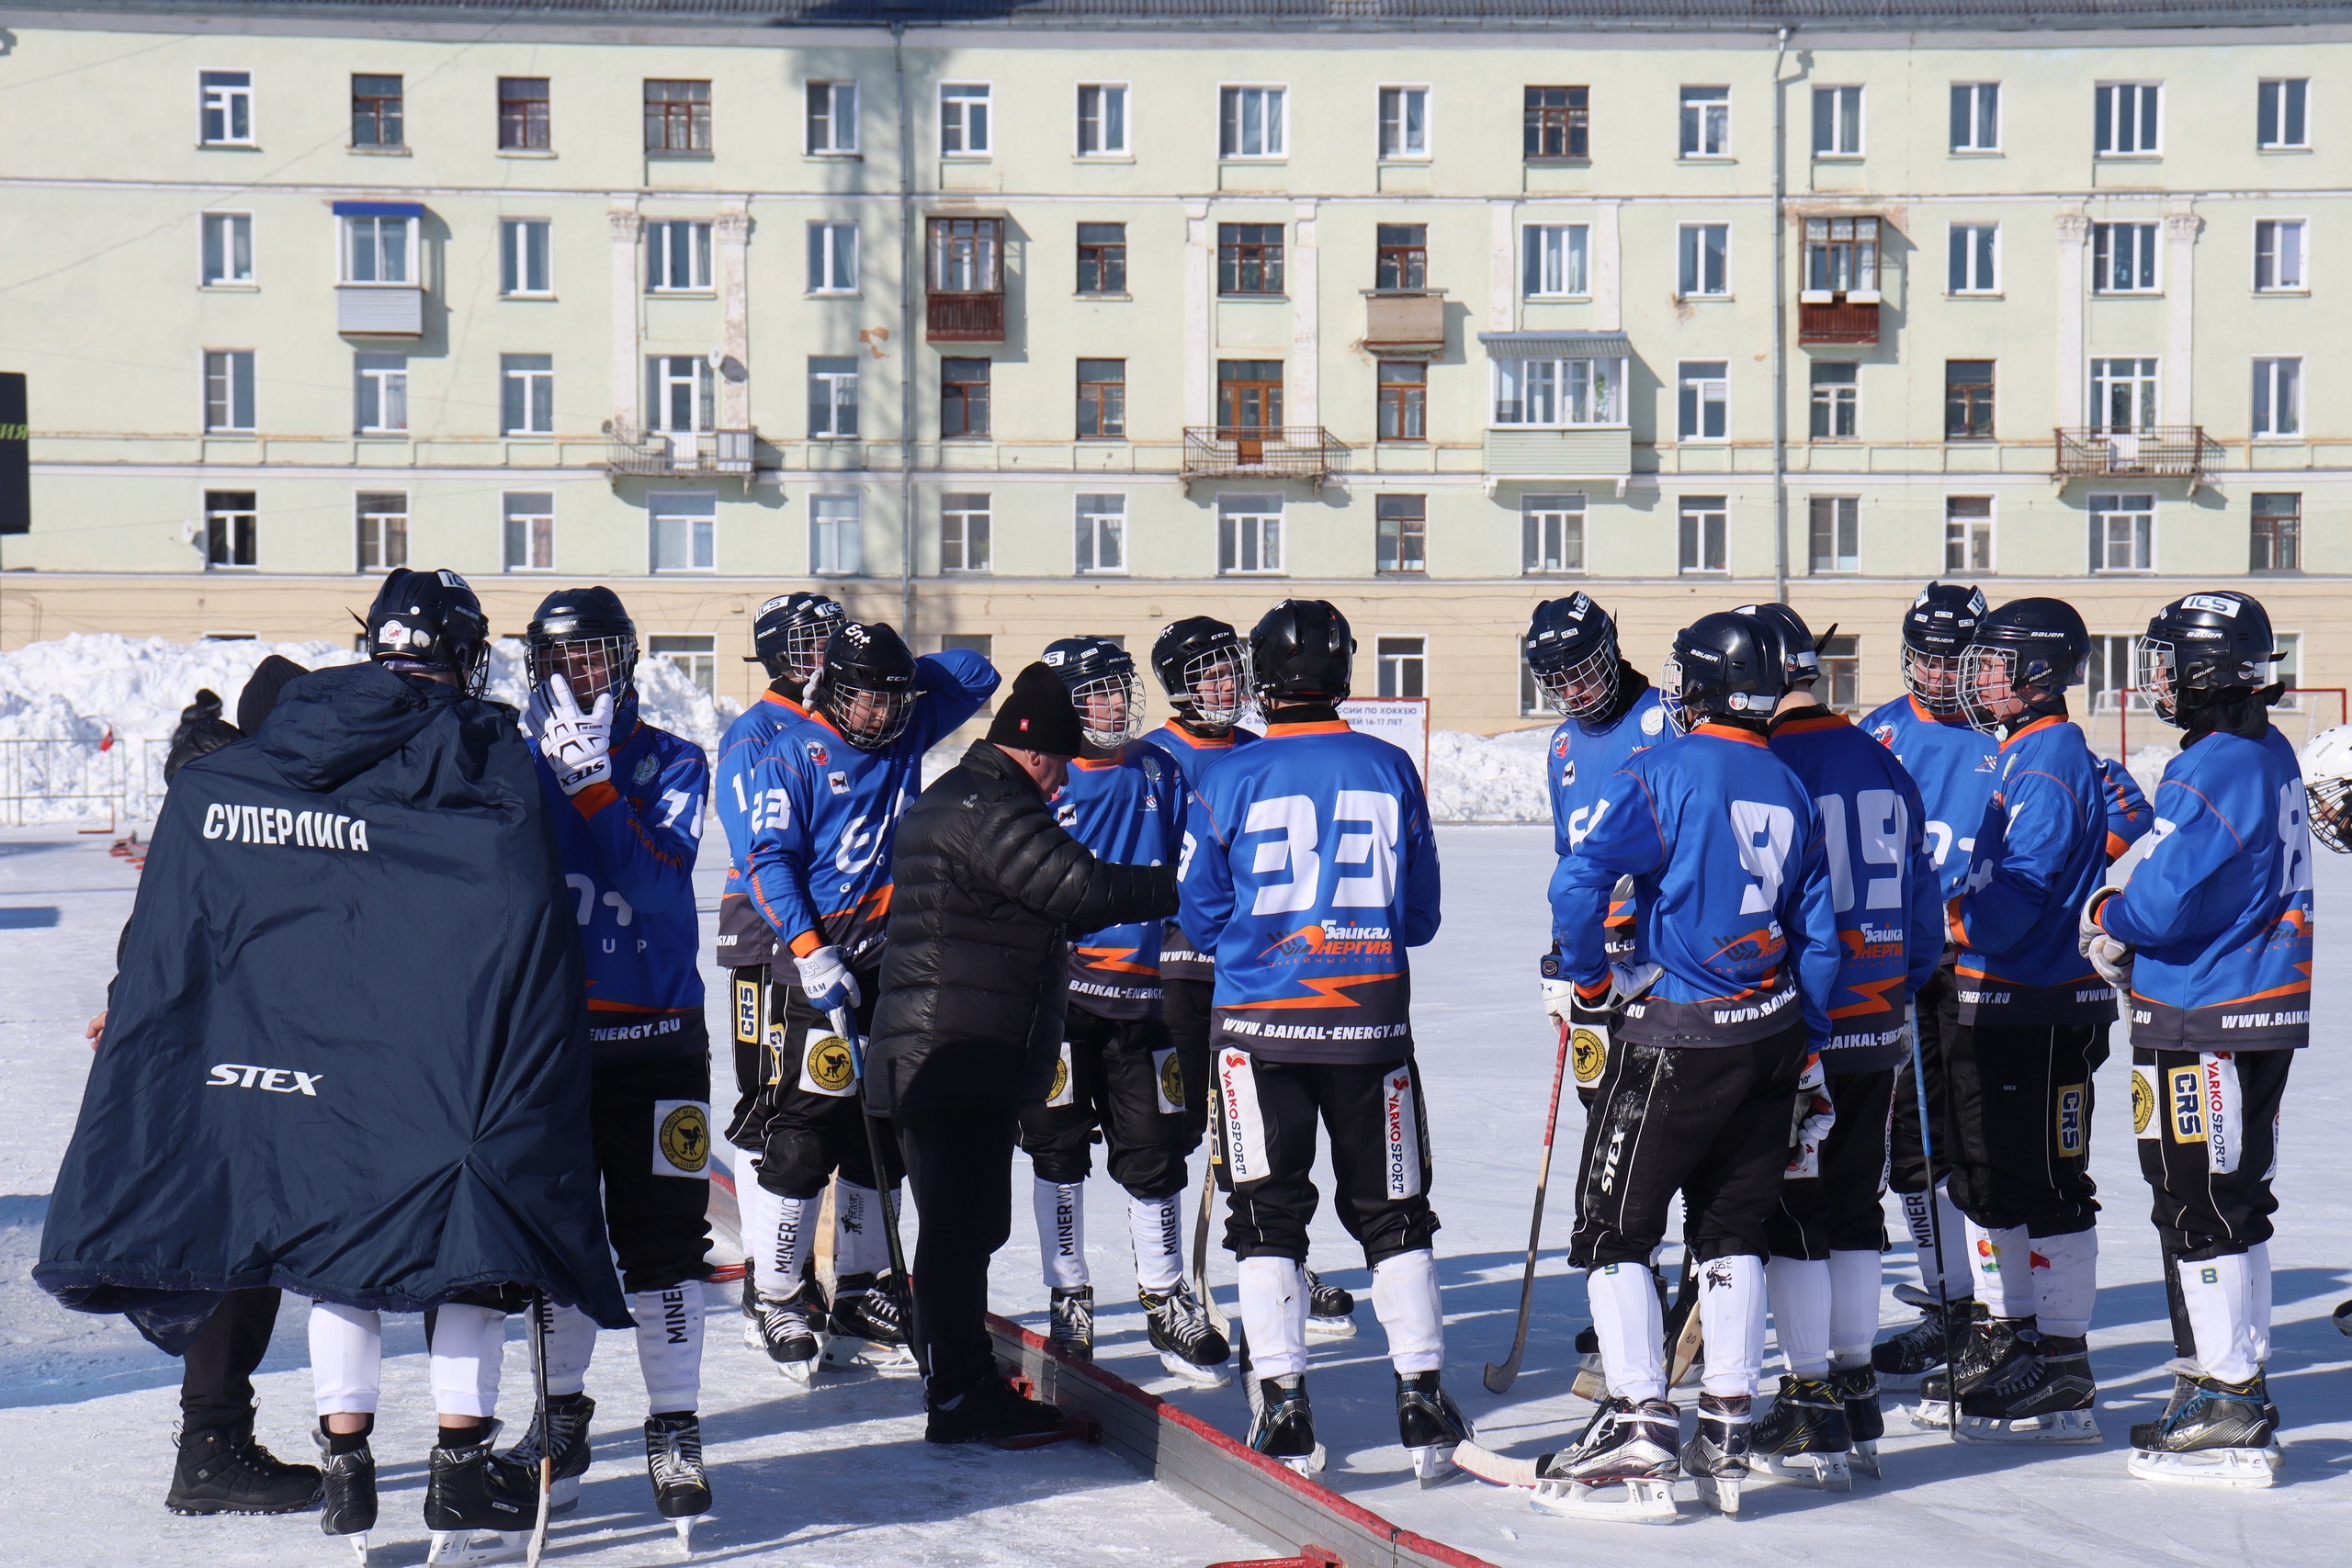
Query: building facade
1080,317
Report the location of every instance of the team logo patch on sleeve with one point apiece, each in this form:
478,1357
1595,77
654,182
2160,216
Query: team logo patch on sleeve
827,1066
1168,1080
2144,1100
2074,1117
682,1138
1588,1054
1064,1090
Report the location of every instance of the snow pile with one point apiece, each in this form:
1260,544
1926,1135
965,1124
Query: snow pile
1489,778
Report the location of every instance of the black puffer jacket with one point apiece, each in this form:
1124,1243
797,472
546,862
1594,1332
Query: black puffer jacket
975,980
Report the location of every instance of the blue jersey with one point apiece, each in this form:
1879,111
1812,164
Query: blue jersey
1954,766
2219,912
822,813
1308,869
629,858
2127,808
1730,893
2041,851
1583,760
1129,811
1180,958
744,939
1890,903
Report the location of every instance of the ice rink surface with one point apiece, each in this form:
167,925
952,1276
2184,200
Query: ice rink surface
839,1475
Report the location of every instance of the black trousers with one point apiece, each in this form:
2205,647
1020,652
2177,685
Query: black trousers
1713,1122
1121,1070
1936,1006
652,1123
2208,1126
959,1173
2017,1134
1839,1210
1380,1154
803,1114
216,1370
1186,1007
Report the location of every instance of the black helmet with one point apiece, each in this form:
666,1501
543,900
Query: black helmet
866,687
1571,646
1205,670
1799,663
789,635
2205,648
427,621
2029,651
1936,629
1103,687
584,635
1728,664
1302,648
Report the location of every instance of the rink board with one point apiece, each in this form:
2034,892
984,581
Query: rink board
1213,1471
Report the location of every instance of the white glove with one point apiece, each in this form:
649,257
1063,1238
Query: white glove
1631,982
1560,991
578,746
2111,956
1814,1118
825,976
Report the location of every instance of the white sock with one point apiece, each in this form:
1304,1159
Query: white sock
1156,1225
1405,1299
1630,1328
2257,1258
468,1347
571,1341
1853,1307
2221,1312
2066,1281
860,1244
669,1345
1731,1316
785,1252
1950,1272
1062,1233
346,1359
1274,1312
1799,1291
2000,1265
755,1215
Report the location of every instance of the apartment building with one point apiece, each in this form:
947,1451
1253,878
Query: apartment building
1010,322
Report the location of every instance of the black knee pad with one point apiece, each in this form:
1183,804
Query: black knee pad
798,1162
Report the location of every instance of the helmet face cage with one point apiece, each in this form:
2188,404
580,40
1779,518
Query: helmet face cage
1989,697
868,716
591,666
1584,689
2157,674
2330,813
1679,713
1933,680
1217,686
804,649
1110,708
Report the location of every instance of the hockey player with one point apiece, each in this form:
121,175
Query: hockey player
1309,869
1711,1023
2211,941
825,803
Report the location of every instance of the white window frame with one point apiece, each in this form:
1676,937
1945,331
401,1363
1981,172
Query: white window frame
2262,134
2278,410
1561,251
835,383
1992,534
391,387
2112,654
527,509
1851,402
836,518
1537,381
2107,96
1127,119
347,250
1845,127
693,655
1683,252
1720,381
2301,228
227,221
2147,391
229,518
1715,519
537,385
1960,244
1972,147
1399,151
825,258
2151,259
2102,532
1845,513
965,565
1250,515
360,541
834,119
662,375
1713,115
699,266
961,128
1393,654
514,257
1275,148
205,107
234,362
701,533
1098,521
1546,521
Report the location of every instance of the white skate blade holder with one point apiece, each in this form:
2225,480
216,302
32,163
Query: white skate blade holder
841,1350
359,1546
1321,1330
1830,1472
1434,1466
463,1549
2058,1426
802,1373
2244,1468
1720,1493
1865,1456
1306,1464
1194,1376
686,1529
1646,1501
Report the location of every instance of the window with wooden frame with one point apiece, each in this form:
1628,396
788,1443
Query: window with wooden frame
1101,259
963,398
1401,523
677,117
522,123
1402,257
1102,399
1249,258
376,103
1558,123
1248,396
1404,399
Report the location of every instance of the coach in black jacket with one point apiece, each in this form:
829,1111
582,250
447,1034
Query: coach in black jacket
969,1026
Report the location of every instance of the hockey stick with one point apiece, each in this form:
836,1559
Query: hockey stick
844,1024
1500,1377
540,1313
1200,1248
1935,1233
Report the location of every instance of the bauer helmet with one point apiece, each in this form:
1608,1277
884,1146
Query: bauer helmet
1571,650
1725,665
1935,632
1204,668
427,622
866,687
789,635
1105,687
2020,659
1799,665
584,635
2202,650
1303,650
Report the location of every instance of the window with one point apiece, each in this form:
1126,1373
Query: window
1840,257
1401,523
697,658
1404,122
1704,273
1101,534
833,396
679,392
2124,258
1837,533
1556,393
228,249
1248,534
1249,258
2127,119
2123,394
1975,117
1404,399
1402,665
833,116
2278,255
2289,646
1968,533
226,115
1559,123
230,524
2278,397
963,119
228,388
2281,119
1704,522
1841,674
527,522
677,117
832,257
1401,253
376,248
2107,672
1102,119
963,533
1556,261
682,526
1706,122
836,544
383,530
1550,532
1836,122
1975,259
1705,393
382,393
2124,533
1248,395
376,112
523,114
2278,533
523,246
1968,400
1249,122
963,398
1101,259
966,254
1836,390
677,257
527,396
1103,399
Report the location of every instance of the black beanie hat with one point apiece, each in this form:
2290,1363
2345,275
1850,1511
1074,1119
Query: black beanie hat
1038,715
268,678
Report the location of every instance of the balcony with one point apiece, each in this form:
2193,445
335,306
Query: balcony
2159,452
1306,452
379,310
963,318
1602,455
1836,318
1404,323
680,454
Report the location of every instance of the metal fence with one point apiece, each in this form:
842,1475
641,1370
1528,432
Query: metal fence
84,784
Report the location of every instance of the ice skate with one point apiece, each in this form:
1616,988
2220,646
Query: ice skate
228,1472
1716,1457
1865,1421
1331,1310
1072,1329
568,1414
1902,1360
868,1330
478,1508
1188,1345
995,1412
1626,1445
1284,1426
1431,1426
347,1500
2046,1395
790,1330
1991,1349
1803,1435
2342,1317
673,1462
2212,1434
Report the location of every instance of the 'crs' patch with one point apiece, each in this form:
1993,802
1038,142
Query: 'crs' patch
747,1012
681,1138
2072,1116
2184,1100
1588,1054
